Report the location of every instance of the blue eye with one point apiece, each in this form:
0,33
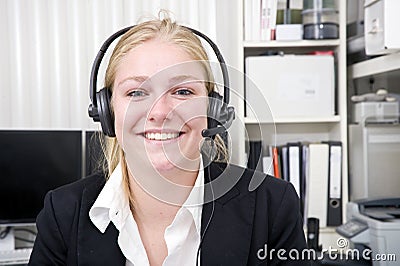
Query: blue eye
136,93
183,92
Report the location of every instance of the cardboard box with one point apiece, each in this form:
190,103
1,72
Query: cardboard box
381,18
290,86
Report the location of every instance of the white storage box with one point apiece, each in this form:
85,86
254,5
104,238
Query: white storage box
381,28
378,111
289,32
292,86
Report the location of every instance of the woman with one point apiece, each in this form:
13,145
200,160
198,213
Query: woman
155,205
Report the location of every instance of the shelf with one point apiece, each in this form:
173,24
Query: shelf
295,120
374,66
301,43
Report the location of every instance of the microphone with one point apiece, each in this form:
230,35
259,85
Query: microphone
210,132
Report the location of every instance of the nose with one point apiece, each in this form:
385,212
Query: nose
161,109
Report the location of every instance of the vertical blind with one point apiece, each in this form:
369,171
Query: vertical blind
47,49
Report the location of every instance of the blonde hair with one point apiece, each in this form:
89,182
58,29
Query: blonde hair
165,30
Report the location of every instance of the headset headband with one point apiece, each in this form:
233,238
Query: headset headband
110,40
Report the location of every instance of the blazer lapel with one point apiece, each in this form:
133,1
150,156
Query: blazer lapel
95,248
227,221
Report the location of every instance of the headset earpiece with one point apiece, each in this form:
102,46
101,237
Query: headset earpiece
215,109
104,111
220,116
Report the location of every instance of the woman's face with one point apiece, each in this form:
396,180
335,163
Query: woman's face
160,106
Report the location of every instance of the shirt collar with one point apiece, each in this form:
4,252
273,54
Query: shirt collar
195,200
112,204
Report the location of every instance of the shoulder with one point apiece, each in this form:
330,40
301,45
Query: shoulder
250,181
62,206
75,190
89,181
58,221
66,201
276,210
271,195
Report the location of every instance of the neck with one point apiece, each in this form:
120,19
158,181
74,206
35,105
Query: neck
158,196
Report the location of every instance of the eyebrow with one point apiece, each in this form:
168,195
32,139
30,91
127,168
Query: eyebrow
174,80
182,78
139,79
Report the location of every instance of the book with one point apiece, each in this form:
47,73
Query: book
284,163
317,182
255,155
335,184
276,162
256,20
268,19
248,21
294,165
267,157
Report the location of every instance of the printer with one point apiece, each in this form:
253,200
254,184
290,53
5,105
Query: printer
374,224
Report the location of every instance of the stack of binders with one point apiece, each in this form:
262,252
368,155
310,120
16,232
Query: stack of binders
314,169
324,181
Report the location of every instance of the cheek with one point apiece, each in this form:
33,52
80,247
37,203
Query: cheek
194,112
125,116
198,124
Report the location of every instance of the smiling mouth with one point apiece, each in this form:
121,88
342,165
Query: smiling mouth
162,136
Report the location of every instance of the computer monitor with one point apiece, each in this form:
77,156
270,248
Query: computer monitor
32,162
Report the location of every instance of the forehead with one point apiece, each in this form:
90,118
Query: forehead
155,57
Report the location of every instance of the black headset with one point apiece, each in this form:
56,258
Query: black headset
219,117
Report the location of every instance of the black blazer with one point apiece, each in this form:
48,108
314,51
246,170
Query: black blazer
244,226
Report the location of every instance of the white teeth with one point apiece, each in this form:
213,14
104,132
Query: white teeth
161,136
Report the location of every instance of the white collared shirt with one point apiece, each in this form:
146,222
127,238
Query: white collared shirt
182,236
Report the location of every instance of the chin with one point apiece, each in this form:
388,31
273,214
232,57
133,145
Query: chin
167,164
162,163
163,166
